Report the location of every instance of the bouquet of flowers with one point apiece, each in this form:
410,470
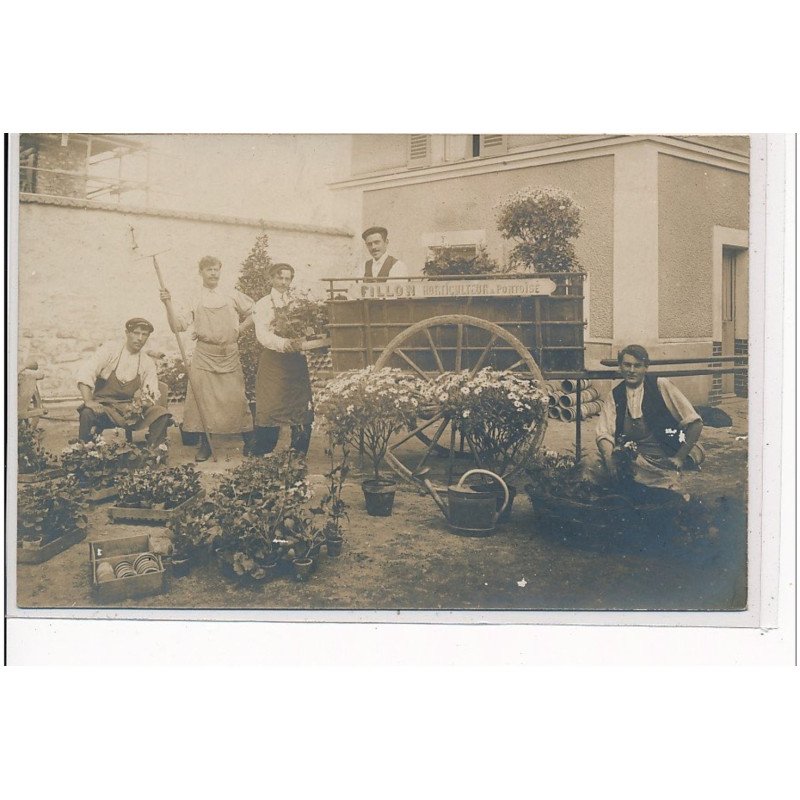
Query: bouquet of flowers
502,415
367,407
143,399
301,318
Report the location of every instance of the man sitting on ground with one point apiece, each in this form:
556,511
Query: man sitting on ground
647,426
119,387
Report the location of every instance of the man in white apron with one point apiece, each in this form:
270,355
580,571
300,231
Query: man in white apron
216,380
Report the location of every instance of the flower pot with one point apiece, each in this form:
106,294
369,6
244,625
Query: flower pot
180,567
303,567
379,497
32,544
334,546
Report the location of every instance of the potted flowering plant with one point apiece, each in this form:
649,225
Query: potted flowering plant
503,416
173,372
364,409
260,508
332,506
51,517
34,462
452,261
303,318
152,495
192,535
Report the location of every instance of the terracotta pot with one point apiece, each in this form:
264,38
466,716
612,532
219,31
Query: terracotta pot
303,567
379,497
334,546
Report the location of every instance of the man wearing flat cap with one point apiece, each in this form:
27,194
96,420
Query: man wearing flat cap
381,265
119,387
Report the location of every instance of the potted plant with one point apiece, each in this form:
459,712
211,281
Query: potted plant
364,409
34,462
260,508
543,222
453,261
503,416
155,495
173,372
332,507
303,318
192,534
50,517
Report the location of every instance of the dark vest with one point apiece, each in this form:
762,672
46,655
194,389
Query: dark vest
385,269
655,413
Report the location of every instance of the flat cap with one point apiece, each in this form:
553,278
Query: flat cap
375,229
138,322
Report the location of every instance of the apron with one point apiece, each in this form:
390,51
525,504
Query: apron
116,397
650,467
216,375
283,389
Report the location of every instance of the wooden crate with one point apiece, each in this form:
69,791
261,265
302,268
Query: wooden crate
152,516
39,555
101,495
41,476
113,551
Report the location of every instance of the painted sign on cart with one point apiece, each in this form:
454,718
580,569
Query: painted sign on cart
485,287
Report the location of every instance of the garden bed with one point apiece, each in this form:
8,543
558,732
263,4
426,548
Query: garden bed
38,555
41,476
100,495
152,516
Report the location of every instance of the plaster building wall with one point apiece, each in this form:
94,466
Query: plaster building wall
692,199
419,215
79,280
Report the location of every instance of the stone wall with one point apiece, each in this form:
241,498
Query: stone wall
79,279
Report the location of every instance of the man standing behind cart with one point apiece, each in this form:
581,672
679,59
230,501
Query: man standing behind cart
283,386
381,265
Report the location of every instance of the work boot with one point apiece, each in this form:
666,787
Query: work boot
248,439
204,451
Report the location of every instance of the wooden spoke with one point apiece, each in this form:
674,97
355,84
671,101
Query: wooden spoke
439,364
459,341
411,364
516,364
421,428
431,445
483,355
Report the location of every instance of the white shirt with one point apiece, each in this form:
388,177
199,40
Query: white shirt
263,315
674,399
102,362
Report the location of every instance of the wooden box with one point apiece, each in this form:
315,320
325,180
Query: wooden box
38,555
152,516
112,551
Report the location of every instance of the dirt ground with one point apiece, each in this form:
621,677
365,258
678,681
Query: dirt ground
412,560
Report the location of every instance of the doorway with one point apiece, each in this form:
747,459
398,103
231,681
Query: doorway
734,309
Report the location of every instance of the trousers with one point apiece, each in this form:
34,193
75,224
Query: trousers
266,439
91,422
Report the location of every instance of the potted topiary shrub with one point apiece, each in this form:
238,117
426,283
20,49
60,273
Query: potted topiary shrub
543,222
364,409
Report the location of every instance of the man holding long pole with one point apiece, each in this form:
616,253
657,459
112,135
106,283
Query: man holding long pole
215,399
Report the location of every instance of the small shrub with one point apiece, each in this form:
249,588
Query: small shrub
449,261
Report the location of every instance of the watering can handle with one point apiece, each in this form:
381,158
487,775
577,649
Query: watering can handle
491,475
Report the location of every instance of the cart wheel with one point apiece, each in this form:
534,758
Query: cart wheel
452,343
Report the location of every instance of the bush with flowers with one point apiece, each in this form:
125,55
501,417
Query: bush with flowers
32,456
543,221
172,371
502,415
366,407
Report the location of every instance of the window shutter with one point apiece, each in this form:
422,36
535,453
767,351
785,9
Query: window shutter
419,150
493,144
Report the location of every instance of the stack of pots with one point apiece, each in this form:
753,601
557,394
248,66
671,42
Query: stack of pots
563,399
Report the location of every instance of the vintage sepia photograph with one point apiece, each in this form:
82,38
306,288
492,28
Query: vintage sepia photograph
376,372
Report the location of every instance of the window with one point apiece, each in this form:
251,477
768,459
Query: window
419,150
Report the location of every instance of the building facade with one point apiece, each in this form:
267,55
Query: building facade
665,226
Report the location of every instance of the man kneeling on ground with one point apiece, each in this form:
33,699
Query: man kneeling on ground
119,387
647,426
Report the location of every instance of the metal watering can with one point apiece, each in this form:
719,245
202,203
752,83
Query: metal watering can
469,511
